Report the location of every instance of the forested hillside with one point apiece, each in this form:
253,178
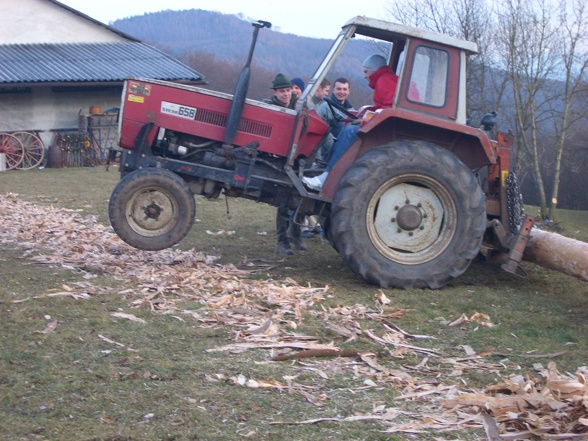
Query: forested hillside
216,45
225,36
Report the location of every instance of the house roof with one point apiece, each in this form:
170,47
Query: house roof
28,64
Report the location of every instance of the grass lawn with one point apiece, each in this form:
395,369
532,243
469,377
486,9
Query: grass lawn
101,342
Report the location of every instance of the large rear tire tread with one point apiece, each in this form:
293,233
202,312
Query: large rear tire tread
393,161
175,192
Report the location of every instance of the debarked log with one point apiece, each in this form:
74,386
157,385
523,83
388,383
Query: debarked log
559,253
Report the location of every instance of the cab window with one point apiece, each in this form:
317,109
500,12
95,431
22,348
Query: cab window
428,78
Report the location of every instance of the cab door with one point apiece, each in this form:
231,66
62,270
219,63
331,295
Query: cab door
430,82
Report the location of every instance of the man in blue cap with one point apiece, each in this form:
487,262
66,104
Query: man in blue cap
297,86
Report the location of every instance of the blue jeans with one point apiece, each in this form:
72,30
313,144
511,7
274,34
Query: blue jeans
347,136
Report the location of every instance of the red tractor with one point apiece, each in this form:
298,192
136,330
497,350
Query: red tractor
409,204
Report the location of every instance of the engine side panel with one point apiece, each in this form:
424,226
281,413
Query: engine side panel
199,112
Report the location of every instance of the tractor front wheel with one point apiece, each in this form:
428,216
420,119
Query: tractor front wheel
408,214
152,209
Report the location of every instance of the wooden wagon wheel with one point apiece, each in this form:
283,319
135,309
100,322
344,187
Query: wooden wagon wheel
12,147
33,150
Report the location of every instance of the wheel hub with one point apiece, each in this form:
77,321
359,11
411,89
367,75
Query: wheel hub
152,211
409,217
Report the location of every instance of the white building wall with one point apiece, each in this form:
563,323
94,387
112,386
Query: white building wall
43,110
40,21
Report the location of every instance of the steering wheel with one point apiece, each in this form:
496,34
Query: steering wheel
337,105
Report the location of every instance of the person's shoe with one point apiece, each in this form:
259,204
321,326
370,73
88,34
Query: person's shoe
315,182
298,243
283,247
307,234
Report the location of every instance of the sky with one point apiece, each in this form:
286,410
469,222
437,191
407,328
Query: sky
308,18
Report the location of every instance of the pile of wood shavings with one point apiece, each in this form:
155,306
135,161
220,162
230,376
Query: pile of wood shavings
553,407
162,279
550,406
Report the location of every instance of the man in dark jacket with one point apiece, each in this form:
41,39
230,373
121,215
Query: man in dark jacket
286,229
282,95
341,91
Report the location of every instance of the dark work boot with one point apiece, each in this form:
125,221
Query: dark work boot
283,247
298,243
295,238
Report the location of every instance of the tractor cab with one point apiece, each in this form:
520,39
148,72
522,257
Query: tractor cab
430,100
431,67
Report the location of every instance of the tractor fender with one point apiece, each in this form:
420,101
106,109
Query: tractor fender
472,146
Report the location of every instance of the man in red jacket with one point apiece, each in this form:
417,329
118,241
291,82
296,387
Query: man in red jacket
380,78
383,80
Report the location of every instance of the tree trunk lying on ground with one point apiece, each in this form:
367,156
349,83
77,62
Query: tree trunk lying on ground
559,253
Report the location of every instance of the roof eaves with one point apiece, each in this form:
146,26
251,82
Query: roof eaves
87,17
89,62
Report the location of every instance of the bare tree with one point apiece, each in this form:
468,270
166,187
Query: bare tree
542,53
573,23
528,50
222,75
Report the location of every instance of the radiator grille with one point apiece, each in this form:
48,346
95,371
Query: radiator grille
214,118
255,128
247,126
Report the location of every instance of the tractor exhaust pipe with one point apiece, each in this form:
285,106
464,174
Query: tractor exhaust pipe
559,253
242,87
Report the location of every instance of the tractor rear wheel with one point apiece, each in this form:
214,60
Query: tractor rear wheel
152,209
408,214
